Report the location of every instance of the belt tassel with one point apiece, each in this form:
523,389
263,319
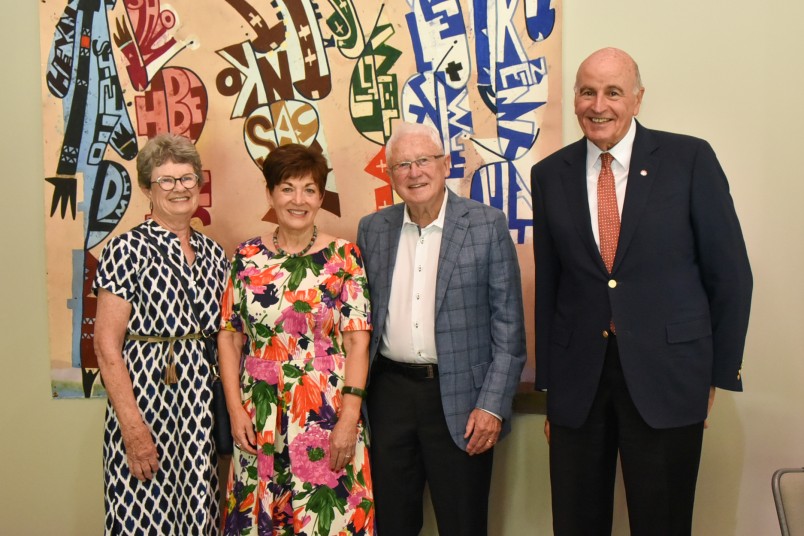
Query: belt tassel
169,375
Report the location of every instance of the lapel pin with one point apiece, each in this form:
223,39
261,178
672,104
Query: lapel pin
644,172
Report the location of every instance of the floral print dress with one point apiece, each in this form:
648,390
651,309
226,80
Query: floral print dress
294,310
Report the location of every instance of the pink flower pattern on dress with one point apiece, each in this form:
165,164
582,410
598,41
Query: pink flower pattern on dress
295,311
356,498
261,369
309,458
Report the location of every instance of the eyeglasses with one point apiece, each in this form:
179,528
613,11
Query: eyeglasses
168,183
403,168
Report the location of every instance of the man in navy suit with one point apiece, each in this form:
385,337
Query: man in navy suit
448,345
632,343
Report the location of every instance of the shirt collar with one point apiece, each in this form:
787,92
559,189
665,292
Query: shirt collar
620,152
438,222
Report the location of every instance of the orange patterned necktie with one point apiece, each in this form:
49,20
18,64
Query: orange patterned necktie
608,217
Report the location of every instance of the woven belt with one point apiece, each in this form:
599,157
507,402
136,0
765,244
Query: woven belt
415,371
169,375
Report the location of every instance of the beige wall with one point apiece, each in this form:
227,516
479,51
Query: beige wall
724,71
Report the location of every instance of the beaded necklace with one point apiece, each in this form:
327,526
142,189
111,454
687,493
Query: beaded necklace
300,253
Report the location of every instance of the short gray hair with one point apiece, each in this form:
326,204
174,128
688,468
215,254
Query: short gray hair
164,148
405,128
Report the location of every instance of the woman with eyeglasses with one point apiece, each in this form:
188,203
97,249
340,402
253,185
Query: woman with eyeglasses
300,295
159,459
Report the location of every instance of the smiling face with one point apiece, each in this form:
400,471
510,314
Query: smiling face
607,96
177,205
422,189
296,201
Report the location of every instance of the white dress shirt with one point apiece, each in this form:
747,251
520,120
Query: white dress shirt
409,334
620,166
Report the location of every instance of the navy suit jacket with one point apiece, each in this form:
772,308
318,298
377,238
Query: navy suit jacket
679,292
479,320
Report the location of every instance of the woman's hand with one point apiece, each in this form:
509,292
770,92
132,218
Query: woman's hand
243,430
342,441
230,348
143,460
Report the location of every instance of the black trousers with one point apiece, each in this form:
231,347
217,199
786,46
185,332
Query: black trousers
411,445
659,466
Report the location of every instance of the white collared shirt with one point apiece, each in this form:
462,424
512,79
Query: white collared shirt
619,166
409,334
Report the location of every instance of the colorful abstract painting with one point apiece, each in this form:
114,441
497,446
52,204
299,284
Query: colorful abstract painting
241,77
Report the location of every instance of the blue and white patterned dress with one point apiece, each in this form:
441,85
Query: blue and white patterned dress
183,496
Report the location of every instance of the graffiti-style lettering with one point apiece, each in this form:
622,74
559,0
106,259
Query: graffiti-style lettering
419,95
500,185
378,167
286,122
345,25
309,63
110,199
95,118
176,102
112,126
147,46
201,214
84,306
60,62
458,126
275,78
279,124
373,90
270,33
439,40
442,56
540,17
256,79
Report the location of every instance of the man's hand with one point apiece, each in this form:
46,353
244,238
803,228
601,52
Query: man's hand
547,429
482,430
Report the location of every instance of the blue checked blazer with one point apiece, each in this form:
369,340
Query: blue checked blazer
479,321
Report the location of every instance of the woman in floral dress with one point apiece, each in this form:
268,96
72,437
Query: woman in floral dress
300,296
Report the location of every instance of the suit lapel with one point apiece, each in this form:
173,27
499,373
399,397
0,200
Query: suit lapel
574,182
642,172
452,238
393,218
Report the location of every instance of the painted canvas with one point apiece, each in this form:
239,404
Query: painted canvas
239,78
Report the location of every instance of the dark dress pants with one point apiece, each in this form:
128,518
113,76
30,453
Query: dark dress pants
411,445
659,466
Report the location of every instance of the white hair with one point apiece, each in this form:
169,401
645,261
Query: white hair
402,129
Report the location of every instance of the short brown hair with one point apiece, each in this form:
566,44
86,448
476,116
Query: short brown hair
164,148
295,160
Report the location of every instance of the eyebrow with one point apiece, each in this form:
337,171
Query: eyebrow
607,88
286,182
